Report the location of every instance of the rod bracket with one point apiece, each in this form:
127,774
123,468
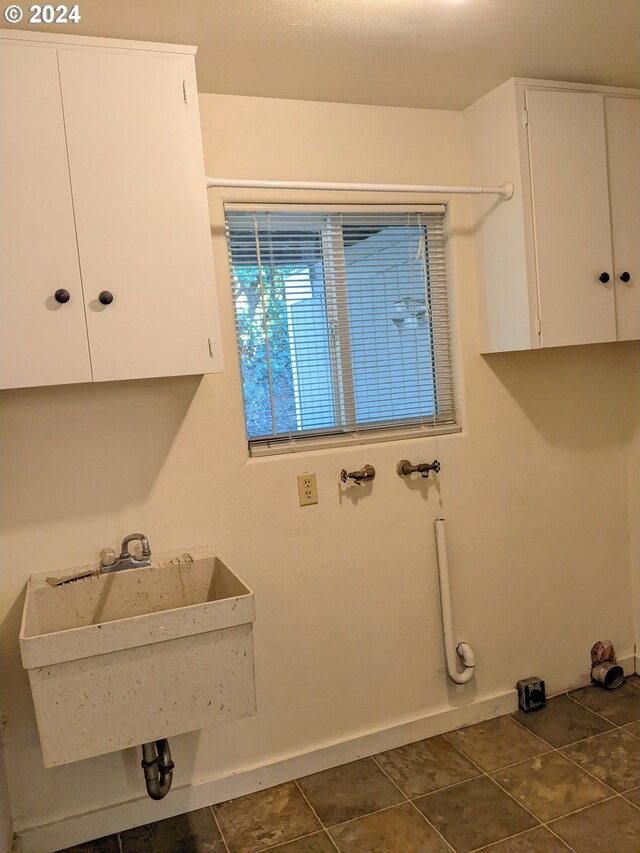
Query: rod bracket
507,190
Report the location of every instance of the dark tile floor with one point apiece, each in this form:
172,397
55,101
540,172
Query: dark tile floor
563,778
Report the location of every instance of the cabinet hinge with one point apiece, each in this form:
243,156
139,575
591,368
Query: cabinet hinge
184,91
538,325
525,117
210,348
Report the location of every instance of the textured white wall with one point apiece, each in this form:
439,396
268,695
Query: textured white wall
347,638
634,523
6,826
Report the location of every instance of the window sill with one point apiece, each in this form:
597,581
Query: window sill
322,442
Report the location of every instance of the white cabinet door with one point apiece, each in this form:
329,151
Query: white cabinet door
137,197
42,341
623,146
568,162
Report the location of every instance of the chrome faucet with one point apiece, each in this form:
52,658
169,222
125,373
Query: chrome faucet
126,560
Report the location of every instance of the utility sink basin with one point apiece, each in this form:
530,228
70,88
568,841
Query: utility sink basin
120,659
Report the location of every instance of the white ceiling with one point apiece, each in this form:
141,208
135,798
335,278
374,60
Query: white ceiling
416,53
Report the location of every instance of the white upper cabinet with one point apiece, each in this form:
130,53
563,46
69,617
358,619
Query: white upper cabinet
623,142
108,178
42,341
557,264
568,161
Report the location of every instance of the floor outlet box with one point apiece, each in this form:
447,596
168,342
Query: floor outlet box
531,693
307,489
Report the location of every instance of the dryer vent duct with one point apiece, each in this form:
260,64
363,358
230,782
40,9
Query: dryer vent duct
605,669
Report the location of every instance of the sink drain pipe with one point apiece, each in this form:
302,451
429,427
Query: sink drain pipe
158,768
463,652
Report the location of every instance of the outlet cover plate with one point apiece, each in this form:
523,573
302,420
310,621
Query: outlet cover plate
307,488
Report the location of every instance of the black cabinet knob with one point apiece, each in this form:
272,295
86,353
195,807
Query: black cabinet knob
105,297
62,296
624,276
604,277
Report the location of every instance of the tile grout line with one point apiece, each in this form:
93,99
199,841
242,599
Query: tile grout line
217,823
635,805
525,729
291,840
509,838
317,816
575,764
546,824
435,828
368,814
410,801
614,726
595,778
602,717
537,820
560,839
405,798
567,693
481,772
322,828
506,766
574,742
577,811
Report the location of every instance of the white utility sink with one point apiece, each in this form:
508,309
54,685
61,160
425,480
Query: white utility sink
120,659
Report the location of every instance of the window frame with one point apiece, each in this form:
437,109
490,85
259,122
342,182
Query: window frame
328,437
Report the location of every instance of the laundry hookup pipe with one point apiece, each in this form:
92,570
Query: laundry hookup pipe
452,653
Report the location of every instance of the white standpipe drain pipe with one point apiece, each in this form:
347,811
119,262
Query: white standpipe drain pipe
462,651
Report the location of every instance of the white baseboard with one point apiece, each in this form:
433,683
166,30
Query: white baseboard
280,768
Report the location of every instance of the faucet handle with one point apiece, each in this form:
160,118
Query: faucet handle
107,557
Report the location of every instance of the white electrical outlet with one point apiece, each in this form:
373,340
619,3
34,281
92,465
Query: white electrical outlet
307,488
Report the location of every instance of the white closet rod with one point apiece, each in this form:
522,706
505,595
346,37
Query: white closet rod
505,191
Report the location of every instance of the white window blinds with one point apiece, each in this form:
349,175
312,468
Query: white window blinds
342,320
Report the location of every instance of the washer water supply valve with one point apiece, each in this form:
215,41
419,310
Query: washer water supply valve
404,468
367,472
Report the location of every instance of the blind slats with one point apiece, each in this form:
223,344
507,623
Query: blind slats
342,321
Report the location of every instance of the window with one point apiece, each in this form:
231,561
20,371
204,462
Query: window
342,322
